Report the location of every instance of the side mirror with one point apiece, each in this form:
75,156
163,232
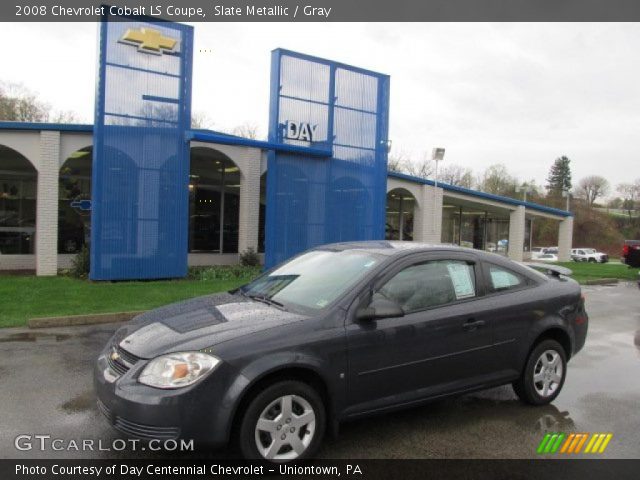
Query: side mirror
380,308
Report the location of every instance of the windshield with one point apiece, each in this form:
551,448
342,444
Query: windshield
313,280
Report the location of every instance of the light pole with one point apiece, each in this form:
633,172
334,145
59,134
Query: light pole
566,194
437,155
524,188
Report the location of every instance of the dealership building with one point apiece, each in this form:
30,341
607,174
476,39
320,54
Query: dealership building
46,185
154,196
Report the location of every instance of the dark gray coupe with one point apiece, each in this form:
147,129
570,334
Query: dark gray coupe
339,332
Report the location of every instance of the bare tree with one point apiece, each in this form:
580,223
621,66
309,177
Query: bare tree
19,104
630,194
398,161
496,179
592,187
246,130
422,169
457,175
202,120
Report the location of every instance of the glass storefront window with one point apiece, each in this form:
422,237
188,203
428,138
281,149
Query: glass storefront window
214,202
498,235
475,229
472,229
74,197
399,224
18,187
450,224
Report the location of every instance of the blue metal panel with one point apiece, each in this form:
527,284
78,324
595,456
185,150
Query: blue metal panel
311,201
58,127
140,155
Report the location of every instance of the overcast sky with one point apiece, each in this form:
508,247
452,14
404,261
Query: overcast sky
518,94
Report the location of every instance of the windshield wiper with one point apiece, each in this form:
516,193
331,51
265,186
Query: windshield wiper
264,299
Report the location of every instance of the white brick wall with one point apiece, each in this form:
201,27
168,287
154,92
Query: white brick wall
47,204
249,216
565,239
427,222
516,233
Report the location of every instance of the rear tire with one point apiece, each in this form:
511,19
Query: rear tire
284,422
544,373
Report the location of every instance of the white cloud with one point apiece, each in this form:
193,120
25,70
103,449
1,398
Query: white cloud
519,94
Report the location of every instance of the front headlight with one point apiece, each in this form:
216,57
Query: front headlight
176,370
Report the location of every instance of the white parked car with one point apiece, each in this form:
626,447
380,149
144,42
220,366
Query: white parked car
536,252
588,255
547,257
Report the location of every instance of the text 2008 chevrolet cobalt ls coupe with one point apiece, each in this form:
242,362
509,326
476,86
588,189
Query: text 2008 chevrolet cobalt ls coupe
339,332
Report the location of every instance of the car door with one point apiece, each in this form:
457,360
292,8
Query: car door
439,345
515,308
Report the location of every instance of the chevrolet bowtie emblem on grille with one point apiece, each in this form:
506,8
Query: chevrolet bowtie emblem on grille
115,356
149,40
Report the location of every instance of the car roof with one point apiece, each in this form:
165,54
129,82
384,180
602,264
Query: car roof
391,248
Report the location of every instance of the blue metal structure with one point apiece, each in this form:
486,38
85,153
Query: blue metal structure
140,155
327,106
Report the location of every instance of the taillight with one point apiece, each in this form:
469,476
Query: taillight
625,250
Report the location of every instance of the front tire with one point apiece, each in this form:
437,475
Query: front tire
284,422
544,374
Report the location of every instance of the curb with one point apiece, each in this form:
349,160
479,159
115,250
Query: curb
73,320
602,281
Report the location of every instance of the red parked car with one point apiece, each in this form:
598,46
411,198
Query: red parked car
631,253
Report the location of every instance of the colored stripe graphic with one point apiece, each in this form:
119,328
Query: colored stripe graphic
573,443
543,443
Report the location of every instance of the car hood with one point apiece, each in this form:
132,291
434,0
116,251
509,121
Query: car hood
199,323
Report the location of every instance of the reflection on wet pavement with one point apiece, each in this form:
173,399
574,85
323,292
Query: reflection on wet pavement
47,389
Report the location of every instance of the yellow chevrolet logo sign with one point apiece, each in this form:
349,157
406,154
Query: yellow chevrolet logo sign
149,40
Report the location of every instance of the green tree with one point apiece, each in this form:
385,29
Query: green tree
559,178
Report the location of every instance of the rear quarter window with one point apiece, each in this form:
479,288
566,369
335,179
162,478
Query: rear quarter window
501,279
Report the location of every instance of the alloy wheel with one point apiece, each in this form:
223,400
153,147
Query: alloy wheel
547,373
285,428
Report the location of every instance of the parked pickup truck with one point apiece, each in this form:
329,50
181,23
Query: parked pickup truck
588,255
631,253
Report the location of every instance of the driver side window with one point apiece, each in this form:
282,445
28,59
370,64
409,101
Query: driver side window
430,284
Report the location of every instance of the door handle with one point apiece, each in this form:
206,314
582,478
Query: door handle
473,324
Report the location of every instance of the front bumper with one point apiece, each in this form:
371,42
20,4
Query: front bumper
202,412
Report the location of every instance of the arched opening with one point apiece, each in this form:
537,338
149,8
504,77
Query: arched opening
400,207
18,192
214,202
74,201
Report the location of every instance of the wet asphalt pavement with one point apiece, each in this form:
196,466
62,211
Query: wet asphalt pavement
46,388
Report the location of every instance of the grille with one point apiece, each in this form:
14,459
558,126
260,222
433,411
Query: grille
139,430
105,411
146,431
120,360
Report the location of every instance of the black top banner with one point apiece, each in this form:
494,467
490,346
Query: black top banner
326,10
